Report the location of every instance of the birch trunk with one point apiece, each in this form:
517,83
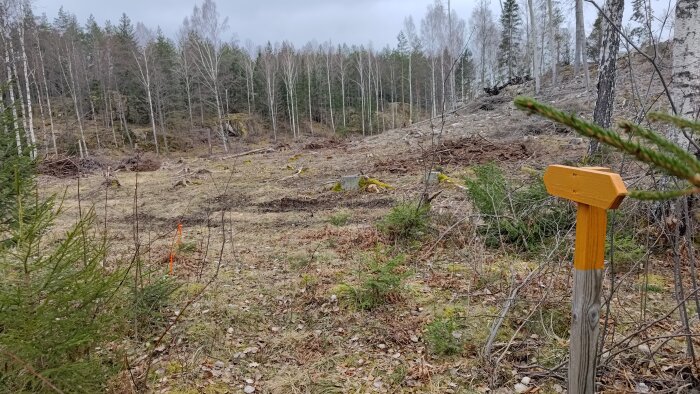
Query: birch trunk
308,91
269,63
22,107
146,82
685,89
342,87
328,80
362,90
220,118
8,68
42,118
30,116
72,89
369,92
602,114
552,43
433,94
46,92
580,58
533,46
410,88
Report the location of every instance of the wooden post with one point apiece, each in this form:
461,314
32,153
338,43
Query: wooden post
595,190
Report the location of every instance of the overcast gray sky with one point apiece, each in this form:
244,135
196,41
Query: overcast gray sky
350,21
300,21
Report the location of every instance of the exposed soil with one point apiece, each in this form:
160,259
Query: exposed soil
275,318
330,201
462,152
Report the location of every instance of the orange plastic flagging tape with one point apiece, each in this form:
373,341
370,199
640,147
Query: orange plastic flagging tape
173,248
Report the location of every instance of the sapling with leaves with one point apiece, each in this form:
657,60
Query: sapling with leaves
646,145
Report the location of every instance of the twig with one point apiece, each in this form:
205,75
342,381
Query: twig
194,298
504,311
31,370
653,63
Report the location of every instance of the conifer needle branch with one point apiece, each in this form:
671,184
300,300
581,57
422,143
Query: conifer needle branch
670,164
31,370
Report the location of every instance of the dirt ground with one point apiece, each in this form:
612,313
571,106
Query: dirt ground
272,320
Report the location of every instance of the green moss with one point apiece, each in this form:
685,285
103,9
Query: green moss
173,367
366,181
187,247
654,283
337,187
627,253
188,290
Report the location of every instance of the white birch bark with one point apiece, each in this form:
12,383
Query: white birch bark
145,77
46,92
8,68
554,58
533,46
685,89
328,81
29,114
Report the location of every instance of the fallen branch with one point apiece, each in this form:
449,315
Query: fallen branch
250,152
299,171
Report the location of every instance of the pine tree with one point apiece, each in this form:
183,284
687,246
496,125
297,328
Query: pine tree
465,73
595,40
509,48
57,304
643,15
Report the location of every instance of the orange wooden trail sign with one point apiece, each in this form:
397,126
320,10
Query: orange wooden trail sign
595,190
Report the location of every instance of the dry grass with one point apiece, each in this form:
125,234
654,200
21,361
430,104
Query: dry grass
272,317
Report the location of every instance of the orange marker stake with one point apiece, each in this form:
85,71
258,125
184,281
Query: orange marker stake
595,190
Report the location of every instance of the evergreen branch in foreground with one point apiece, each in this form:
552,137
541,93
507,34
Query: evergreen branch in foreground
674,120
662,142
668,163
662,195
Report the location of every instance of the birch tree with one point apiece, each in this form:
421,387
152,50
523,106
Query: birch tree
24,12
145,40
341,59
409,29
361,84
184,66
46,91
289,77
328,51
602,113
270,65
533,46
309,57
553,52
432,37
249,67
484,36
685,88
580,49
5,26
207,43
